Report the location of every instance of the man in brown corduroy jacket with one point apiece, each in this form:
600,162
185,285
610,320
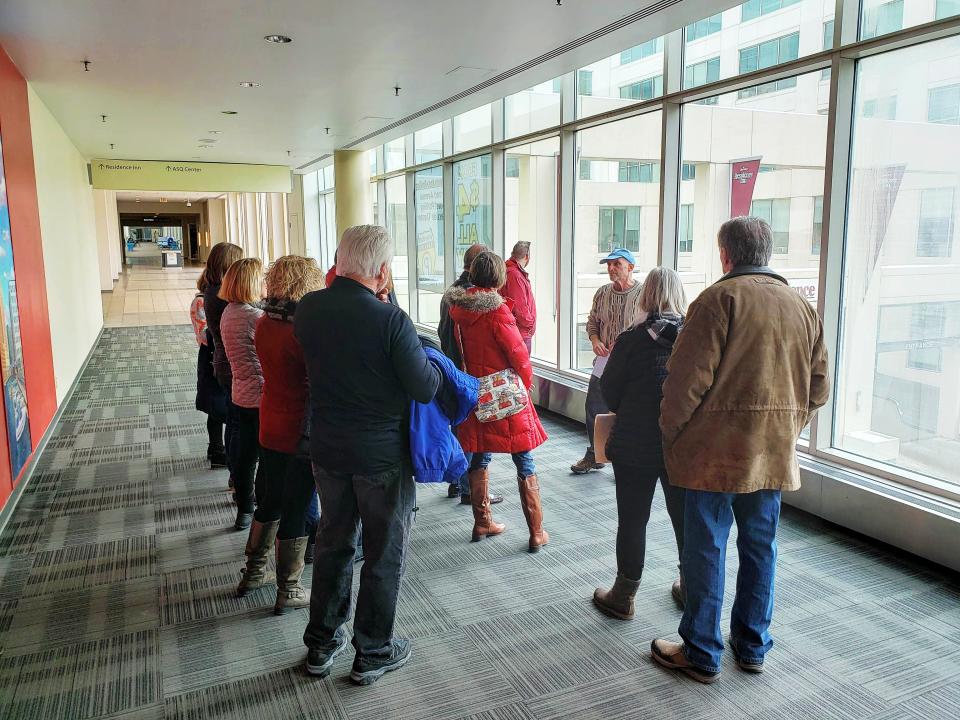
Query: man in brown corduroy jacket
747,373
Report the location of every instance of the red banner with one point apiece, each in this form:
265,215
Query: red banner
743,177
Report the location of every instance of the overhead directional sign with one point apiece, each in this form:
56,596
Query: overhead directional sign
188,176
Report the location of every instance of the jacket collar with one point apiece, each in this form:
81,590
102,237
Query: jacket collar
518,266
474,299
345,283
280,309
741,270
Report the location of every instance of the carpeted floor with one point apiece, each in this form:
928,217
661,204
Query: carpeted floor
117,571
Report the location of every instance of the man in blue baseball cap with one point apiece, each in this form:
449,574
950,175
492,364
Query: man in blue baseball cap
616,307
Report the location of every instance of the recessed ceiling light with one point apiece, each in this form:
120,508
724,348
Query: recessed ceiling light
207,141
136,199
204,147
278,39
215,132
228,112
248,84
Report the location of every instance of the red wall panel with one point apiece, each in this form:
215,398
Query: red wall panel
28,262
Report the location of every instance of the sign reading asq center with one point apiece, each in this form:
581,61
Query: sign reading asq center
188,176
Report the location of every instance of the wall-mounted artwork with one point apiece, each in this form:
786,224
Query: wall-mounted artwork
11,348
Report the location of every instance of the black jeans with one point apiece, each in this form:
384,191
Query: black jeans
384,502
635,489
214,435
284,490
245,452
230,429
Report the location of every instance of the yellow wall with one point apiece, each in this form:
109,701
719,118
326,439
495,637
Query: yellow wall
68,229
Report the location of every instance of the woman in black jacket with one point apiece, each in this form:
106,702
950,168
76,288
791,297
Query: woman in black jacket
632,385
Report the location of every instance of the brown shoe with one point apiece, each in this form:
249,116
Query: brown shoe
586,464
259,545
532,511
671,655
483,523
617,601
291,595
677,590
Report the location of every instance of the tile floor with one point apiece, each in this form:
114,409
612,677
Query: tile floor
146,296
118,567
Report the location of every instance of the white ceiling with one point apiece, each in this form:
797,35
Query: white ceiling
162,71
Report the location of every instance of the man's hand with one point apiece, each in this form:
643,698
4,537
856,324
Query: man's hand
599,349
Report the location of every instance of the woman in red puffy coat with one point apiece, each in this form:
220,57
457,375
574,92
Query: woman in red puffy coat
490,342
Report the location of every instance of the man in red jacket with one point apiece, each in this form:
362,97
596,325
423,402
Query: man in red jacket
519,290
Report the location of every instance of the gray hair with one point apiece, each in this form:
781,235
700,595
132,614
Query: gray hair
663,292
520,250
747,240
363,250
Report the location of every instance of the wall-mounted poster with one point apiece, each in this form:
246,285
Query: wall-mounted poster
11,348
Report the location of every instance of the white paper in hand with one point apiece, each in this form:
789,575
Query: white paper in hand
599,364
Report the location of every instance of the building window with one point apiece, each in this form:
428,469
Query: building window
927,325
881,19
943,105
947,8
767,54
702,28
777,213
935,231
557,85
686,228
755,8
701,73
585,82
585,165
688,171
817,225
827,45
884,108
619,227
511,167
636,171
643,89
428,144
428,208
641,51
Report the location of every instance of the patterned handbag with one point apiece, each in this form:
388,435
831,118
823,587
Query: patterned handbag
501,394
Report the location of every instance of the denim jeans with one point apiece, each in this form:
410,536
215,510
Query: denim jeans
635,489
523,461
287,488
384,502
708,517
595,405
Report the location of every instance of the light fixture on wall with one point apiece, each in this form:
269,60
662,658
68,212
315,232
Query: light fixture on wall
278,39
249,84
189,204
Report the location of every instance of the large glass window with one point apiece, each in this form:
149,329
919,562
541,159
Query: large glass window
756,159
755,36
472,129
473,204
395,154
879,18
428,144
609,213
396,224
428,203
633,75
943,104
702,28
531,110
530,215
898,399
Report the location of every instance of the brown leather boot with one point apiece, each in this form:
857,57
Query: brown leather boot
259,545
483,523
291,595
532,511
617,601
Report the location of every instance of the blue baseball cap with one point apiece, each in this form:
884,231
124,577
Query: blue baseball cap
618,253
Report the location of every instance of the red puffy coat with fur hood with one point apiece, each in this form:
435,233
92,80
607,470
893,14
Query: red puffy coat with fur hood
491,342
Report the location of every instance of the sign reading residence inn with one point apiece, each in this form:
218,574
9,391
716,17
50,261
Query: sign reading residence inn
188,176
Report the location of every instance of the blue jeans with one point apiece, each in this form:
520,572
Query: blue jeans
707,520
523,461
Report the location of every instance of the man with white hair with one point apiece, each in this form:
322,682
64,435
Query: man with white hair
365,365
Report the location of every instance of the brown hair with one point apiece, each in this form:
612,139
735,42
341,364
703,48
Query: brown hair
202,283
222,256
488,271
242,282
293,276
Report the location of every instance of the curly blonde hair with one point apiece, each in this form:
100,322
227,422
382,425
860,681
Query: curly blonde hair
293,276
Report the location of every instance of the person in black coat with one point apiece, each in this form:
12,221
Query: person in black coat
632,385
